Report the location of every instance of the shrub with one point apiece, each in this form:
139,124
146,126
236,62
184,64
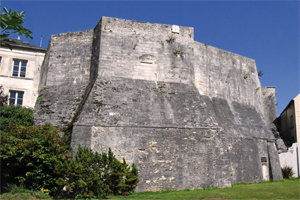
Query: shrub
287,172
15,114
29,153
96,175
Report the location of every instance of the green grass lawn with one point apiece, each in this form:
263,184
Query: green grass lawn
20,193
285,189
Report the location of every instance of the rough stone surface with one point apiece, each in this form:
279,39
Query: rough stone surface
275,168
280,145
187,114
65,77
269,104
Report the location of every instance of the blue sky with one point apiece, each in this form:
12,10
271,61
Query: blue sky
266,31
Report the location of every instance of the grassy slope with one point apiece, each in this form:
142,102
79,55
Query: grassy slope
285,189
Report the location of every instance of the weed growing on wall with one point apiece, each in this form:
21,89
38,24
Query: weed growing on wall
40,97
171,38
287,172
178,52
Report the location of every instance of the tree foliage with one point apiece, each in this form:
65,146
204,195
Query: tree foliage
11,22
28,153
15,114
91,175
40,157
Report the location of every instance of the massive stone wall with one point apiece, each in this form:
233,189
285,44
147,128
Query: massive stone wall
268,99
65,75
187,114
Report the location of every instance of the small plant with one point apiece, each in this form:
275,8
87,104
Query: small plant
260,73
207,187
13,188
40,97
246,75
134,46
178,52
171,38
287,172
44,190
20,192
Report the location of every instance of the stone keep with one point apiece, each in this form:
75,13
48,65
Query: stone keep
187,114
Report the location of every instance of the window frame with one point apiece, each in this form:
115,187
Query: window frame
16,98
20,65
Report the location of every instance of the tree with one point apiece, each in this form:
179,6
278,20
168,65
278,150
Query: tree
28,153
15,114
11,22
39,157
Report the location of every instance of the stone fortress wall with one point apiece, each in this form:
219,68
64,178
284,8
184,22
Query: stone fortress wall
189,115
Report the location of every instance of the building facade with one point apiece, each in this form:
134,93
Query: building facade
289,122
289,125
20,72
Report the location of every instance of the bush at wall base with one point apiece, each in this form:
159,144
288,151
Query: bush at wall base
16,115
287,172
29,153
94,175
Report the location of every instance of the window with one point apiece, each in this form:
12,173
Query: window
19,68
15,97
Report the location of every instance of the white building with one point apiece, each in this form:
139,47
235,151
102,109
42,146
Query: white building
289,122
20,72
